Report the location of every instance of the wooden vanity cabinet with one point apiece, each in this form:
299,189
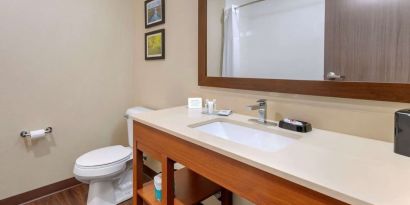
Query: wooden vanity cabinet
189,188
246,181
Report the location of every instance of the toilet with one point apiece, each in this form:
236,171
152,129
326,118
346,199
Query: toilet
108,170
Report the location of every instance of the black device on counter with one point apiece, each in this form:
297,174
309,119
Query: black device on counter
305,127
402,132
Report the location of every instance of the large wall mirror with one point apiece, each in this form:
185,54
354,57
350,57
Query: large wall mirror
340,48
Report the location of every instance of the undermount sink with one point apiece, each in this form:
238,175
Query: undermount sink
258,137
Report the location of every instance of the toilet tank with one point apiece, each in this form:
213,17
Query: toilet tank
130,121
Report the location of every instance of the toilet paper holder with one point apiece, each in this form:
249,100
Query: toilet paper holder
25,134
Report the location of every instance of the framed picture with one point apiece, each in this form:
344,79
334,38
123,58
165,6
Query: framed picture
155,45
154,12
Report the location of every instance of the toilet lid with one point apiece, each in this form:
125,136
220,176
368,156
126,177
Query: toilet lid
104,156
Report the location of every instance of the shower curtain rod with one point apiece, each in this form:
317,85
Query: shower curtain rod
247,4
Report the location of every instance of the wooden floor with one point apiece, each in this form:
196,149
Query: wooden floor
76,195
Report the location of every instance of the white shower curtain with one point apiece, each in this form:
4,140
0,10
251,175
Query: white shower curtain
230,61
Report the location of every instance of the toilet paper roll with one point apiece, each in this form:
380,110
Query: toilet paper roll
36,134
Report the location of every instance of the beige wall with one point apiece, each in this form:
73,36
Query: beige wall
65,64
166,83
369,119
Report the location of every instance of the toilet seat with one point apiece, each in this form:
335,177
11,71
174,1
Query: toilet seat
102,163
104,156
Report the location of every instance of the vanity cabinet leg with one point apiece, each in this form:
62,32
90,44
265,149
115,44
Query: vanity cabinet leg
138,175
167,181
226,197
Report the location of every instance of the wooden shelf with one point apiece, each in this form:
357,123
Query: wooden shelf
190,189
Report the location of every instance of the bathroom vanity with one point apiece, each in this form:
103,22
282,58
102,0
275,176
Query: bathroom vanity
319,167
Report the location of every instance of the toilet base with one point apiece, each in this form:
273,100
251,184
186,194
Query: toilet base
111,192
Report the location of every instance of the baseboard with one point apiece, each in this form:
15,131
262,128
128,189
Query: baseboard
40,192
53,188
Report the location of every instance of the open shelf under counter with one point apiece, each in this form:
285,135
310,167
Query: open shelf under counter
190,189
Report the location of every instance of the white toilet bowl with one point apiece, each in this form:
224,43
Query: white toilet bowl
108,170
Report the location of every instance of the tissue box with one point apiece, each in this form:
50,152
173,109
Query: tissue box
402,132
305,127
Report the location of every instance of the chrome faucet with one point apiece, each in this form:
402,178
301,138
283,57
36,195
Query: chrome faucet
262,110
261,107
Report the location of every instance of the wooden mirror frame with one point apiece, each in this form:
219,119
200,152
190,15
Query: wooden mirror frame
395,92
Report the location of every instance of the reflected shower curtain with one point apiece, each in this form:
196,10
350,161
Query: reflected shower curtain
230,61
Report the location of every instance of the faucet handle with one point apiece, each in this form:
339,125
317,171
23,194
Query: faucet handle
261,105
261,101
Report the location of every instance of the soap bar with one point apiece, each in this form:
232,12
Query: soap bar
293,122
224,112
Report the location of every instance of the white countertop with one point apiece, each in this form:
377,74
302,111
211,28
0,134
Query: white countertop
352,169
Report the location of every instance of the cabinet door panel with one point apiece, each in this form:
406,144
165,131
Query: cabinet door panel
368,40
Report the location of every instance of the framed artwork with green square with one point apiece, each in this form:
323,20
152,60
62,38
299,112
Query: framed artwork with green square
155,45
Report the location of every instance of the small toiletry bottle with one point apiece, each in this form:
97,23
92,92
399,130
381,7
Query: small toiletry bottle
158,187
211,106
206,106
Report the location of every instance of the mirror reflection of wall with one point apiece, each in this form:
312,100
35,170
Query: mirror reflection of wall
346,40
278,39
